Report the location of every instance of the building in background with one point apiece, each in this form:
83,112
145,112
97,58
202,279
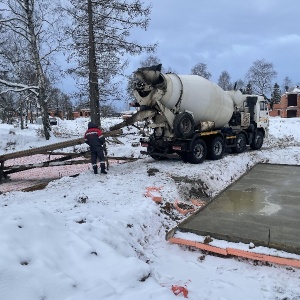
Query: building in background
289,105
82,113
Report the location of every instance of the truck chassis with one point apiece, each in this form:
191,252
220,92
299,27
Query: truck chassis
205,145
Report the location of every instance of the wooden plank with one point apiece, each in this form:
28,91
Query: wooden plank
36,187
51,147
63,161
21,168
45,150
40,150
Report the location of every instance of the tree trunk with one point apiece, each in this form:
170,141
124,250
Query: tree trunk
39,69
21,113
93,74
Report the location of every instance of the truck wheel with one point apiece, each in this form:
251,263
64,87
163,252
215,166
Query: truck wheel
198,153
184,125
257,141
241,143
216,148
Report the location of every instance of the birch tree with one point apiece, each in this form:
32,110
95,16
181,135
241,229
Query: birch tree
36,25
224,81
260,76
201,70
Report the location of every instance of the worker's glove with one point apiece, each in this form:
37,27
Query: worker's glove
102,140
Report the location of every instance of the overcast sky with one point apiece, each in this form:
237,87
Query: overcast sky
226,35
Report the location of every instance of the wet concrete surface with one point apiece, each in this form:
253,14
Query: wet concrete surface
262,207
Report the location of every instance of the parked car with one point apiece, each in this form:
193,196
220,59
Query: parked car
53,120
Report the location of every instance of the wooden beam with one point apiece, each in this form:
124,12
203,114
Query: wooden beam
52,147
63,161
21,168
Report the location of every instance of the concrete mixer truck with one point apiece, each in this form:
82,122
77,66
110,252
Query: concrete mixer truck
194,118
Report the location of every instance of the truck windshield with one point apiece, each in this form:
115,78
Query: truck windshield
263,105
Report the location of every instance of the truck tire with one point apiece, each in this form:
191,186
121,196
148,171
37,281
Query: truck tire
241,143
183,125
216,148
198,153
257,141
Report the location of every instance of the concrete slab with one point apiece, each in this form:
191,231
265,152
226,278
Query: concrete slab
262,207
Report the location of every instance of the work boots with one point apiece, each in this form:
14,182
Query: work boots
102,166
95,168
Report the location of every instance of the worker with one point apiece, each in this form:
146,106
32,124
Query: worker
95,139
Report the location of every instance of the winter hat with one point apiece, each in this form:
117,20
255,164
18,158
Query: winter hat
91,125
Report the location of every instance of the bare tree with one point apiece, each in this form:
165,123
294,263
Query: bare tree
261,75
108,111
59,102
201,70
17,73
34,22
287,83
99,55
224,81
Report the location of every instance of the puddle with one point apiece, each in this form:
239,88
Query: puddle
249,200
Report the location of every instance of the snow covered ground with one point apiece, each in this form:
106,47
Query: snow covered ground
98,237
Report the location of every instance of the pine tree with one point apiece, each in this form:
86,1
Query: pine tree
276,94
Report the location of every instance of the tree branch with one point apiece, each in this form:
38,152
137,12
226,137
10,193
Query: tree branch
17,87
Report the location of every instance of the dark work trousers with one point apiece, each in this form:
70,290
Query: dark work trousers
97,153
